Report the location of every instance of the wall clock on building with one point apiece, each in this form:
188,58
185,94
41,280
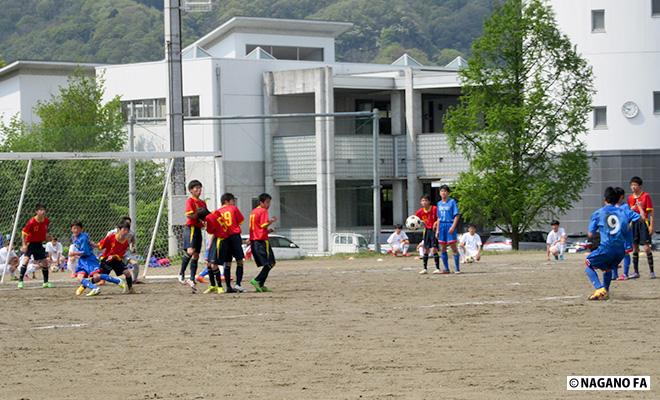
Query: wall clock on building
630,109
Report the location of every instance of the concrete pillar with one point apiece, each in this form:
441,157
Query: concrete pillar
320,100
397,110
413,128
398,203
331,210
270,127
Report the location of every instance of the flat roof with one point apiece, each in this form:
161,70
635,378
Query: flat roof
46,66
300,27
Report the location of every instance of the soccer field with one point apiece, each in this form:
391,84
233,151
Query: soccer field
511,327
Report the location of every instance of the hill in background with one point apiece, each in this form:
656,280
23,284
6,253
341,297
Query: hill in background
122,31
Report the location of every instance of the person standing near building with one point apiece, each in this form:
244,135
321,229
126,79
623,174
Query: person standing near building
641,203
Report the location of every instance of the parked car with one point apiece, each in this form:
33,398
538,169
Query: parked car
348,243
413,236
283,248
579,244
533,240
655,241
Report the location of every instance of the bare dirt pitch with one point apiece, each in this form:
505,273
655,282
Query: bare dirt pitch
510,327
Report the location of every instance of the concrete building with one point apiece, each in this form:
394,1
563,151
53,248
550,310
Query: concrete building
319,170
620,40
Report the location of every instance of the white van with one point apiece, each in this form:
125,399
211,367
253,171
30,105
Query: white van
348,243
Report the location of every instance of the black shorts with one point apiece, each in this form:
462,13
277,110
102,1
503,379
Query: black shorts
36,250
430,240
262,253
192,237
113,265
230,248
640,233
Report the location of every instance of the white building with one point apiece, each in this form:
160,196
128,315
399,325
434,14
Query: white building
319,172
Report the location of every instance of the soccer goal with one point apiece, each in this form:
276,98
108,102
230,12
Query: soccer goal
98,189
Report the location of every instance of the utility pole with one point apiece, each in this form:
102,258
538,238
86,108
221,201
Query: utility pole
175,93
376,176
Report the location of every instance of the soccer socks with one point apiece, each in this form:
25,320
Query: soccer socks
445,260
626,265
22,272
204,273
425,260
263,275
228,275
44,272
635,259
457,260
88,284
239,272
615,272
436,260
593,277
184,264
110,279
649,257
212,277
607,279
129,281
193,268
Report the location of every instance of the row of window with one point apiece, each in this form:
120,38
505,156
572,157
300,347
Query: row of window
598,16
600,112
289,52
157,108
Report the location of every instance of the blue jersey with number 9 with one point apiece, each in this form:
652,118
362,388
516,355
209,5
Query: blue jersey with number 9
612,224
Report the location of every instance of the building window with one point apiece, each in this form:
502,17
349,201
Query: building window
656,102
290,52
597,20
600,117
157,108
655,8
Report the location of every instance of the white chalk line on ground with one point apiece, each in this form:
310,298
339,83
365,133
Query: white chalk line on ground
501,302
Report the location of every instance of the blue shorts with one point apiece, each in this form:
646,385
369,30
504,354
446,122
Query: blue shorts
88,266
605,258
444,237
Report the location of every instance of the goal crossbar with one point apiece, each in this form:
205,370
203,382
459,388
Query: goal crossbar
107,155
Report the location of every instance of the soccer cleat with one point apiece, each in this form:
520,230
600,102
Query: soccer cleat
200,279
622,278
94,292
635,275
457,272
230,290
122,285
47,285
652,275
256,285
20,285
444,272
266,289
80,290
221,290
211,289
192,285
423,272
239,288
181,279
600,294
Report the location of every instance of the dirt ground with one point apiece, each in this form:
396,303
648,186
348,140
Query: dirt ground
511,327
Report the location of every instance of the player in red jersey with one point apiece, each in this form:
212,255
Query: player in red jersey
641,203
34,235
212,259
192,234
429,216
114,247
230,220
261,251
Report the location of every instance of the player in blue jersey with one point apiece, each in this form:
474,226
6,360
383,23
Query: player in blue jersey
611,222
448,216
629,239
88,271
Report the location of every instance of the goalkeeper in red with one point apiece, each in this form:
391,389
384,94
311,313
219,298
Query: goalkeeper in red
34,236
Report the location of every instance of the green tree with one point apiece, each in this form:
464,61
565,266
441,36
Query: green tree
2,62
521,119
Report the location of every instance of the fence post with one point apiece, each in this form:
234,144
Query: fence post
376,183
166,188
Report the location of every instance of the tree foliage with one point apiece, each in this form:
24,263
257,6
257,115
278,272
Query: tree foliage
120,31
521,119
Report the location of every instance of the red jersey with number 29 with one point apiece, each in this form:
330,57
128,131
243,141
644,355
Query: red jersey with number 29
230,219
259,224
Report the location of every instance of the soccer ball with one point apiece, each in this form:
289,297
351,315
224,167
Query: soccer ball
469,259
413,223
54,268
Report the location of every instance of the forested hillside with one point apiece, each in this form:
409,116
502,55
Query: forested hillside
118,31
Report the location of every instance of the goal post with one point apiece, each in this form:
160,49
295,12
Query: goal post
94,188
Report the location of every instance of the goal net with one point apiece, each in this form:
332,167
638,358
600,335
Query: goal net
98,189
